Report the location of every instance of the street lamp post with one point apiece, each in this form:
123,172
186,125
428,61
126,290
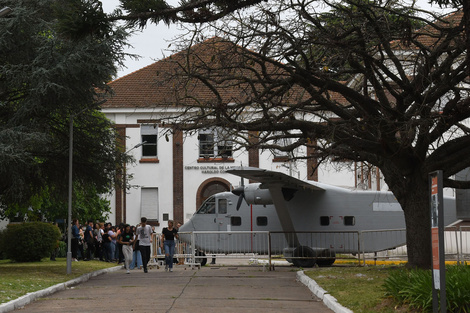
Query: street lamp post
136,146
69,220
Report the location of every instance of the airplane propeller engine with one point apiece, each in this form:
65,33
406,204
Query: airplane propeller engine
240,192
252,194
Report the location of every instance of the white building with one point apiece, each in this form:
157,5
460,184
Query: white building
174,171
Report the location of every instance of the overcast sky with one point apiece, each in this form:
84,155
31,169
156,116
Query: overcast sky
152,42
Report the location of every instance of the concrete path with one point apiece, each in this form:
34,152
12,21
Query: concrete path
210,289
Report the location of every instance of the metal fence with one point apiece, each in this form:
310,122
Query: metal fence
457,243
304,248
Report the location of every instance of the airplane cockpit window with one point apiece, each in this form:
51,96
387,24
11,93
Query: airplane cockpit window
349,220
324,220
208,207
222,206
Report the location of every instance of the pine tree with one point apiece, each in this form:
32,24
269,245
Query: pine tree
55,61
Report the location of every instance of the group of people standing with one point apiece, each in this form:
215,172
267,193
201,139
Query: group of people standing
125,243
95,240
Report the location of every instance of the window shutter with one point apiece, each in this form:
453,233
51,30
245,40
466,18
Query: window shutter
149,203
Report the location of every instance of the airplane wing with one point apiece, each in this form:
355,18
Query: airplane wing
270,178
281,188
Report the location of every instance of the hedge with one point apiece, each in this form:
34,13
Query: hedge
29,242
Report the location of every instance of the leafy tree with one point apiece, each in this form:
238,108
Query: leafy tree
403,108
48,73
87,204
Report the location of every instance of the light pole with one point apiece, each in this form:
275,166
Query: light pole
5,11
69,220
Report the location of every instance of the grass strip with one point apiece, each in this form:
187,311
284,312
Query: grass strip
18,279
360,289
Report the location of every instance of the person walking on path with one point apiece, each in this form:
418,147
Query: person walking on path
168,243
126,239
144,233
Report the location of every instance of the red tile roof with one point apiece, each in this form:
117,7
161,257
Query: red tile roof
163,83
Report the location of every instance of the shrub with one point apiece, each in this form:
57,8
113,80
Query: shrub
414,287
458,289
29,242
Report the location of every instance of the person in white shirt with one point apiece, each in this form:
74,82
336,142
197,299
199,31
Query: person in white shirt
144,233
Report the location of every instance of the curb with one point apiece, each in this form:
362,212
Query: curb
327,299
30,297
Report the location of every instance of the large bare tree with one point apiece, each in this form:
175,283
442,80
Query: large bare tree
365,82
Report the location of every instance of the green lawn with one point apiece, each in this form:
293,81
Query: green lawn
360,289
18,279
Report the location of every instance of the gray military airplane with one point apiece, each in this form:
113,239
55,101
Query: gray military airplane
307,220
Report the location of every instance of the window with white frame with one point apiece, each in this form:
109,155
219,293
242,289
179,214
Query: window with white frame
149,204
215,142
149,133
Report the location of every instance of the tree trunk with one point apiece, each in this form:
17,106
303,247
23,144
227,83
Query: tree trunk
418,223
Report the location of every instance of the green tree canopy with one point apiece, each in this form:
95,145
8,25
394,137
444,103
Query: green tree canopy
48,73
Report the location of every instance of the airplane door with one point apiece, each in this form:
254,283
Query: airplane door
223,220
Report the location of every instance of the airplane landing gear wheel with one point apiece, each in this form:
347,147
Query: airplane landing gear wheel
306,257
326,258
202,258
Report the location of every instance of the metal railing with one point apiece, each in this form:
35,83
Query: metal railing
456,246
374,253
457,243
264,247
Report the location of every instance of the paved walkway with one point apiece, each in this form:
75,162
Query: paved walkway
210,289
